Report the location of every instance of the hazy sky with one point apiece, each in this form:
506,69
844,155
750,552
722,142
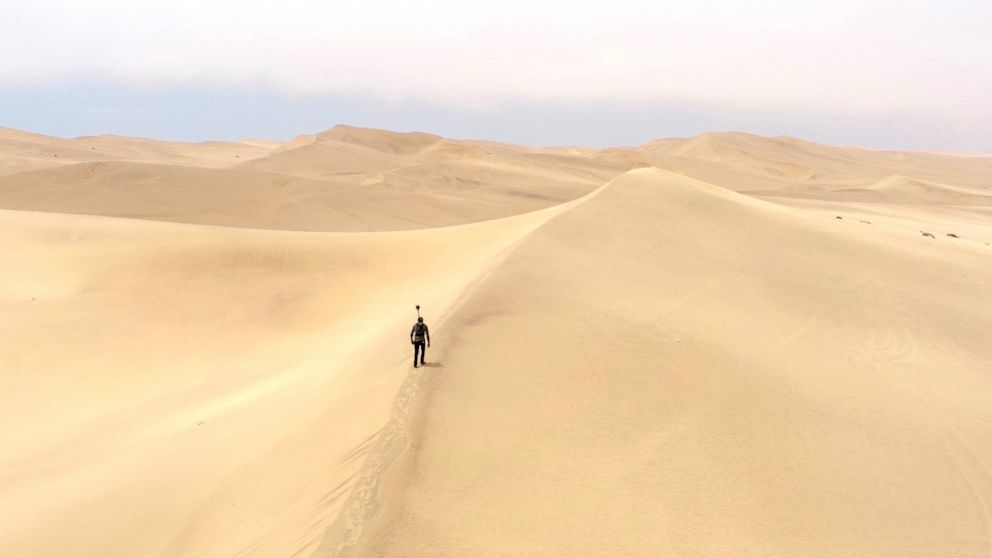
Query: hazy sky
884,73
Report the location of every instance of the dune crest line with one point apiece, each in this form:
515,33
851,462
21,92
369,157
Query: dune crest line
697,372
393,439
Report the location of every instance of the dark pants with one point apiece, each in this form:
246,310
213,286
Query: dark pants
419,346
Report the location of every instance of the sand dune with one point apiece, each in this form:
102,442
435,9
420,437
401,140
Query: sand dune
903,188
239,197
322,158
726,345
346,179
897,189
745,162
209,383
397,143
688,380
22,151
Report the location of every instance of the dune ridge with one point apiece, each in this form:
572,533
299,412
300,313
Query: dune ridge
766,384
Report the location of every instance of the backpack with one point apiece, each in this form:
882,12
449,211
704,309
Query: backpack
418,330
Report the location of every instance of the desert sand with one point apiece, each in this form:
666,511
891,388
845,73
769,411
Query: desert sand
726,345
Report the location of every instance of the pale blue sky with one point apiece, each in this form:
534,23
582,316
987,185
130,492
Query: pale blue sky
887,73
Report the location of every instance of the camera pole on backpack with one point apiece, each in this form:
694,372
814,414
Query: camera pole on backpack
418,310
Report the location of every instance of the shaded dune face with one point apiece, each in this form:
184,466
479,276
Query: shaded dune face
718,346
211,381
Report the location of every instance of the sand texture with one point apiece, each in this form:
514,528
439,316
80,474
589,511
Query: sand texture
727,345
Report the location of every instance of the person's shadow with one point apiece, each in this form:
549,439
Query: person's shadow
433,365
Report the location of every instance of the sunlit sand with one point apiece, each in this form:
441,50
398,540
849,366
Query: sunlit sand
726,345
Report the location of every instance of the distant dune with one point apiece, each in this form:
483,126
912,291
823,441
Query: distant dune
727,345
21,151
902,188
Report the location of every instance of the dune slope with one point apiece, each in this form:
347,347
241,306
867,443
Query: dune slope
238,197
176,390
675,369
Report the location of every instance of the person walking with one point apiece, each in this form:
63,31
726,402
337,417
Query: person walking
418,335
